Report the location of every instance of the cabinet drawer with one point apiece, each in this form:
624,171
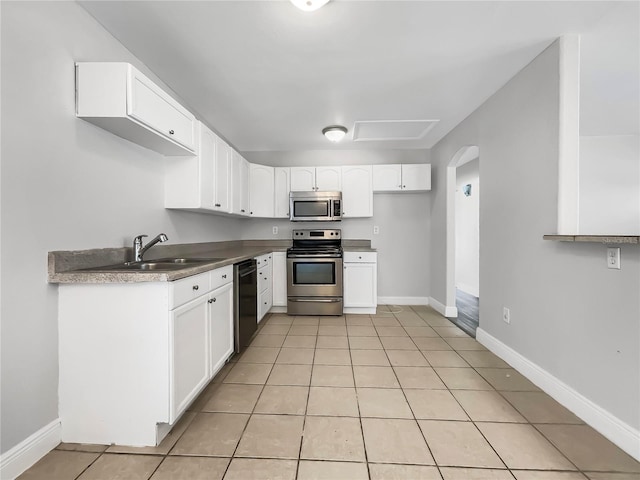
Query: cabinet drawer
221,276
148,104
360,257
263,260
181,291
264,279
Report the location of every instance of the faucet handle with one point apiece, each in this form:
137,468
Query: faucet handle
139,238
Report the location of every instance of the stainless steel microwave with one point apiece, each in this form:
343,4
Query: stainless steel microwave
315,206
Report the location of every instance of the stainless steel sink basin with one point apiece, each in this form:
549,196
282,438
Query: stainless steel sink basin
160,264
188,260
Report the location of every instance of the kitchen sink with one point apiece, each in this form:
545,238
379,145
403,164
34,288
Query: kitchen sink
160,264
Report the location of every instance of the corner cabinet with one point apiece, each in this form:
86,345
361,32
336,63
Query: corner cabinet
130,368
360,279
402,178
119,98
201,182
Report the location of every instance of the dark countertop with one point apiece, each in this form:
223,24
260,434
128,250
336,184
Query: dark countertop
84,266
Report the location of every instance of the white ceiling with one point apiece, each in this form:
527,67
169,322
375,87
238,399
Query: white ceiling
269,77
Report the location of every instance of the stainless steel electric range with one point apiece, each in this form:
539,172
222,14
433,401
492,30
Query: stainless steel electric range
314,273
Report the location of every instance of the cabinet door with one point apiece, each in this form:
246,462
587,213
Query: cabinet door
261,191
360,284
148,104
328,179
279,275
416,177
207,157
281,191
265,301
357,191
220,303
189,358
387,178
244,186
303,179
222,176
239,184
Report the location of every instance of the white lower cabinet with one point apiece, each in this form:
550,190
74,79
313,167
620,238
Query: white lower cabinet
134,356
360,282
279,274
189,359
265,295
220,303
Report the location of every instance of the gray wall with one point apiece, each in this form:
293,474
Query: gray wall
403,218
66,185
569,314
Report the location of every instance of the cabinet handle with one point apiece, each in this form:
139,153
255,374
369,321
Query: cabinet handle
242,210
196,287
224,276
404,186
360,258
171,132
211,300
214,299
218,205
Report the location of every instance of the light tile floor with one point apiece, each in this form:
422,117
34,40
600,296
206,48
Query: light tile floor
398,395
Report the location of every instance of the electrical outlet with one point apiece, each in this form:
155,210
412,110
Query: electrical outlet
376,229
506,315
613,258
275,230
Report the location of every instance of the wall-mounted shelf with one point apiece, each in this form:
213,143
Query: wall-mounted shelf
605,239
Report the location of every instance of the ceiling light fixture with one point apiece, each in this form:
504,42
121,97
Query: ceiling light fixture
334,133
309,5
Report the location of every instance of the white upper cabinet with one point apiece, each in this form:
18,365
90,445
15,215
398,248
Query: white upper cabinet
200,182
405,177
222,177
261,191
122,100
357,191
239,184
416,177
303,179
319,179
282,187
328,179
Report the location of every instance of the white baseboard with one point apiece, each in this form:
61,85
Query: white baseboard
21,457
403,300
447,311
623,435
359,310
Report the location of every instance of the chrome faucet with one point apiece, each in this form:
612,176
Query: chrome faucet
138,249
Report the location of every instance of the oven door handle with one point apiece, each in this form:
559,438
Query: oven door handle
302,255
315,300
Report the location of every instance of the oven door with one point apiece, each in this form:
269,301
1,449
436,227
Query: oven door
314,277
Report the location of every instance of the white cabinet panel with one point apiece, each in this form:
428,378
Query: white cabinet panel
261,191
222,177
239,184
200,182
360,282
405,177
189,357
122,100
387,178
303,179
279,274
416,177
328,179
265,281
357,191
282,187
220,303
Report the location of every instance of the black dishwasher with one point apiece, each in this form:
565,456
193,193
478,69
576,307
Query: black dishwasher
245,293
